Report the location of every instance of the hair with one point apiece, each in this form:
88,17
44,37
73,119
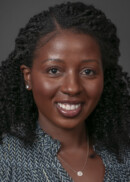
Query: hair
109,123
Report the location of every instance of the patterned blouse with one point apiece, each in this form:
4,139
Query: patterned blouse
39,163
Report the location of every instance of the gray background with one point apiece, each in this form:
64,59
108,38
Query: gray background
14,14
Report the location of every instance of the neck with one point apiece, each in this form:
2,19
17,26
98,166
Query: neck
73,138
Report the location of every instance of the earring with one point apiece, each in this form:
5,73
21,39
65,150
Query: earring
27,86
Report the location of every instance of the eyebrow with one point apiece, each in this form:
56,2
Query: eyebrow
52,59
91,60
60,60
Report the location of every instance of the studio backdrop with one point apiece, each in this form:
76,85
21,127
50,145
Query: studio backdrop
16,13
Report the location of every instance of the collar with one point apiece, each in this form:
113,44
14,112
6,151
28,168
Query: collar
47,142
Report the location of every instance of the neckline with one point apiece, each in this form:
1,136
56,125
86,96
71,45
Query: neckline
54,145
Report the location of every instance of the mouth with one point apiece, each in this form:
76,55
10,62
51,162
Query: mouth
69,109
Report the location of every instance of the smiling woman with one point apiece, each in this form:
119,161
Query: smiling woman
65,100
67,78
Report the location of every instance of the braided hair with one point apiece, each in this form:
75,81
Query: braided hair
109,123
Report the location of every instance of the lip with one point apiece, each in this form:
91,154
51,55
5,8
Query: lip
69,113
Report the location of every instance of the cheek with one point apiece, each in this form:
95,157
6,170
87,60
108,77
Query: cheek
44,88
94,89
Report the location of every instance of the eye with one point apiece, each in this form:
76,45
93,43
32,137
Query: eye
53,71
88,72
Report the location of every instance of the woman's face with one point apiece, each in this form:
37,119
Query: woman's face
66,79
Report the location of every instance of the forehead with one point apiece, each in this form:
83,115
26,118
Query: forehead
66,42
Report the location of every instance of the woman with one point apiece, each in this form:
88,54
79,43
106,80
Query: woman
65,100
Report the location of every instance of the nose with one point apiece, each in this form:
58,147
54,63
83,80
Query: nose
71,84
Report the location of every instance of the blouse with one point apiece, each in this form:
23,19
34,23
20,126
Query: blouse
39,162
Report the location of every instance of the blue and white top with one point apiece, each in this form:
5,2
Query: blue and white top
39,163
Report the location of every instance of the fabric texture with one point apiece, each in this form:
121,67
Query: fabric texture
39,163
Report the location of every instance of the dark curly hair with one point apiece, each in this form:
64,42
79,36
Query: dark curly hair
109,123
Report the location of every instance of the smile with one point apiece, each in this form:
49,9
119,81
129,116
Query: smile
69,110
69,106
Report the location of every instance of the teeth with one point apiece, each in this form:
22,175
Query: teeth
69,106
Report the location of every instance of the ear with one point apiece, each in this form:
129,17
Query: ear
27,76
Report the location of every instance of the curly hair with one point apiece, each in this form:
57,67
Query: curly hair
109,123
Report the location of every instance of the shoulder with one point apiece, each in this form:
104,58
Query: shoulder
16,160
12,150
9,150
116,170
